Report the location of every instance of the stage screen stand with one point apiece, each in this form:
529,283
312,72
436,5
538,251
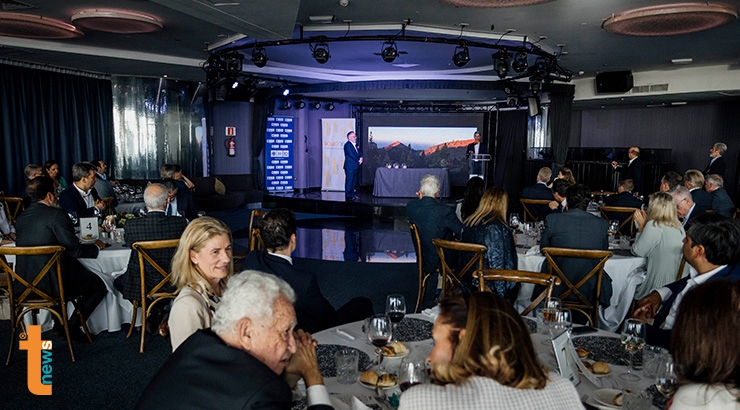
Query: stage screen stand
279,154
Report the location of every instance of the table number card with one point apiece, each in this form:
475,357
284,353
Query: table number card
88,228
567,358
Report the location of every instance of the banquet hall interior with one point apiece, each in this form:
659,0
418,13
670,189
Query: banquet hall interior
254,99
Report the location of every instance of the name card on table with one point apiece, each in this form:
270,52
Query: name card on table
567,357
88,229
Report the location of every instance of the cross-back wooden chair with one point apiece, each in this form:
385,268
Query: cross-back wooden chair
31,298
530,206
150,296
519,276
625,215
451,278
255,236
423,276
586,304
13,207
681,267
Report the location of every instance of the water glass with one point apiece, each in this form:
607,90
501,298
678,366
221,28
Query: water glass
636,400
346,361
624,242
652,356
118,236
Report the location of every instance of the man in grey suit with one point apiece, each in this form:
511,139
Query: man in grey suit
721,202
577,229
152,227
693,179
102,184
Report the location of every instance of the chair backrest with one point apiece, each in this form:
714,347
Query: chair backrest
681,267
13,207
145,249
255,237
451,278
586,304
624,214
519,276
423,276
530,208
30,292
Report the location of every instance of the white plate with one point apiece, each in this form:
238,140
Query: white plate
605,397
371,386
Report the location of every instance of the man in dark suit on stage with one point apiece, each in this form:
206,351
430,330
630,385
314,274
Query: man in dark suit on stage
475,148
314,312
433,219
154,226
578,229
624,196
712,248
81,197
693,179
721,202
540,191
352,162
634,169
717,164
249,359
44,223
686,209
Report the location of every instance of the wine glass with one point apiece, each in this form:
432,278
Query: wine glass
633,340
514,220
665,380
73,217
412,372
395,308
562,322
380,333
613,227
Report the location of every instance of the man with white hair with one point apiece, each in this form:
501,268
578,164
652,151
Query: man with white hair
717,164
693,179
247,359
685,206
721,202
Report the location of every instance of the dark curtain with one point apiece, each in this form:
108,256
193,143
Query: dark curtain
511,143
259,127
561,104
49,115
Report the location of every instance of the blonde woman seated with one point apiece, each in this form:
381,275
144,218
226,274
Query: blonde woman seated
483,358
487,226
200,268
659,240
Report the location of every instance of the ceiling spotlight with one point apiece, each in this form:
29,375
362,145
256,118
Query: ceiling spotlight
520,62
535,85
300,105
233,62
501,63
316,105
321,53
461,56
330,107
512,102
259,58
286,91
540,65
390,52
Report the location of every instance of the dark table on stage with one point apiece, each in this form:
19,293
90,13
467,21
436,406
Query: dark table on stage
404,183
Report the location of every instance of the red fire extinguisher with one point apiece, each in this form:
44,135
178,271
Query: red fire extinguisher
230,145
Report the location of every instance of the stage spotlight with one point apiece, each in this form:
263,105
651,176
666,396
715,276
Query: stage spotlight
535,85
512,102
286,91
233,62
540,65
461,56
300,105
390,52
501,63
316,105
259,58
520,62
330,107
321,53
286,105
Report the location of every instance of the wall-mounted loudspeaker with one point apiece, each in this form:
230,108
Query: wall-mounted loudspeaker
614,82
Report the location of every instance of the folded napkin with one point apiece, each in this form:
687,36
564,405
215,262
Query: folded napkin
347,402
432,311
534,250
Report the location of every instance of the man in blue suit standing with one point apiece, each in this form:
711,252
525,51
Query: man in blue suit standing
352,162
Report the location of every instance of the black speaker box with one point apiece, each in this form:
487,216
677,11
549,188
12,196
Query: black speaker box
614,82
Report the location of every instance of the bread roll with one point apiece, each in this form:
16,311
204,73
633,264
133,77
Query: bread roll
617,400
369,377
600,368
399,348
582,353
588,366
388,351
387,380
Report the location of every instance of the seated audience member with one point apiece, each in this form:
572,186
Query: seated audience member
7,230
153,226
659,240
174,171
32,171
51,170
540,191
473,192
693,179
44,223
559,187
249,358
200,269
483,358
686,209
487,226
180,200
577,229
433,219
624,196
704,348
721,202
102,184
313,310
670,181
81,197
567,175
712,249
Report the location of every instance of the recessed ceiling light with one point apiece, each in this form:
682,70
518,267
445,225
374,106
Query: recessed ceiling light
682,61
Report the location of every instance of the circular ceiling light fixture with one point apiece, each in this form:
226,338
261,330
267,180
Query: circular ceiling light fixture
259,57
461,56
669,19
38,27
496,3
320,53
116,21
520,63
389,53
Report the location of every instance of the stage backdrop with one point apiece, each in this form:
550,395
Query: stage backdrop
333,136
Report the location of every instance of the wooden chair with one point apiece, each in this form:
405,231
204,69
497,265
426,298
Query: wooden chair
108,201
31,299
13,207
586,304
681,267
423,276
529,206
255,238
625,215
519,276
155,294
597,194
452,279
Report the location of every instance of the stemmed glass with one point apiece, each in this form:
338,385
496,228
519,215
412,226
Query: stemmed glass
613,228
73,217
562,322
380,333
666,381
514,220
412,372
395,308
633,340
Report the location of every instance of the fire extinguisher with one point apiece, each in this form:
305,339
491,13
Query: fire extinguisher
230,145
